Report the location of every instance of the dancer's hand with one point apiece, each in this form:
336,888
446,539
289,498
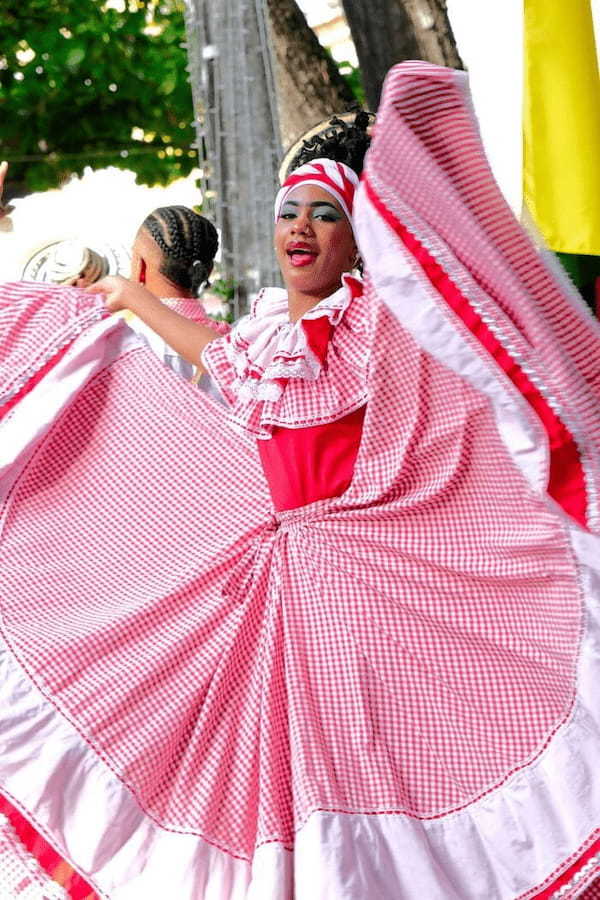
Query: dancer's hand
120,293
186,338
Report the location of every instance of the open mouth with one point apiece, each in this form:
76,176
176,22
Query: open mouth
301,256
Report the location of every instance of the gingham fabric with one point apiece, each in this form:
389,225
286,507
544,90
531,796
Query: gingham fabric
191,309
266,367
194,310
30,341
428,174
388,694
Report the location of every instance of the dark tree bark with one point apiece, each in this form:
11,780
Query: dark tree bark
236,119
309,85
386,32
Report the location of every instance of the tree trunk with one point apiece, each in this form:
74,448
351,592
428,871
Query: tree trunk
238,135
386,32
309,85
434,32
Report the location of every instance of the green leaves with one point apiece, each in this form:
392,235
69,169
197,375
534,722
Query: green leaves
169,84
74,57
77,78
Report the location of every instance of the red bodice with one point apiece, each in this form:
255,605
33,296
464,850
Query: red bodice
302,465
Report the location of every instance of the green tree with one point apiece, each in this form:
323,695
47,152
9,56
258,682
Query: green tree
93,82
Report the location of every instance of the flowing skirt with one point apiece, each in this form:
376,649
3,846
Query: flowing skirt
388,694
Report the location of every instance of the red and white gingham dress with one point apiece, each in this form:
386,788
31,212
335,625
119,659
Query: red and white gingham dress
387,694
191,309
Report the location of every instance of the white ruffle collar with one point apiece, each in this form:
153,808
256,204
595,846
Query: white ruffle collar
265,348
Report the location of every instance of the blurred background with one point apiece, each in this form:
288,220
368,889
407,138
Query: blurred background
110,108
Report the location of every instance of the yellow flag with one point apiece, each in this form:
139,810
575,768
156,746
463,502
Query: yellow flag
561,152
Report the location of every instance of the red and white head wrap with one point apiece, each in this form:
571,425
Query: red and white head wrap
336,178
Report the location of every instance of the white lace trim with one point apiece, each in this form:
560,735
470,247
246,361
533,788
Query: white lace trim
580,880
265,346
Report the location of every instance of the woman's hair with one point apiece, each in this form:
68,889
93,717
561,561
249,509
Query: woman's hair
188,242
344,140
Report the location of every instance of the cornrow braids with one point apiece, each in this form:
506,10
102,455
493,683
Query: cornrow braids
188,242
343,141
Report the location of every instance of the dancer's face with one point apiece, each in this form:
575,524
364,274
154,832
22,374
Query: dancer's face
314,241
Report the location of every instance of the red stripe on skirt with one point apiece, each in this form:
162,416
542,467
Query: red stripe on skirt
566,480
33,381
50,861
567,876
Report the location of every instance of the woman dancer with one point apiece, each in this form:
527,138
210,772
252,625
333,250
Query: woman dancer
386,688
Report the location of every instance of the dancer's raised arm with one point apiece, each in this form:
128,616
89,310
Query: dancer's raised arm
186,337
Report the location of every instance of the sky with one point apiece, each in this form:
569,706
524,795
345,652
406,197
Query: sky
42,218
316,10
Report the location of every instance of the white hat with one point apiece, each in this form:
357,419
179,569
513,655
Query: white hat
64,262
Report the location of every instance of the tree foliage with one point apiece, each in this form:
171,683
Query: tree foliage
94,82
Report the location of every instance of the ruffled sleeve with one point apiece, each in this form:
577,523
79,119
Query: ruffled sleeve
274,373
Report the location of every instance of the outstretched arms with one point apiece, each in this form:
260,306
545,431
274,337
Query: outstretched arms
187,338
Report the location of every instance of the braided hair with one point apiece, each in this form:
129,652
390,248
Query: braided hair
342,141
188,242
